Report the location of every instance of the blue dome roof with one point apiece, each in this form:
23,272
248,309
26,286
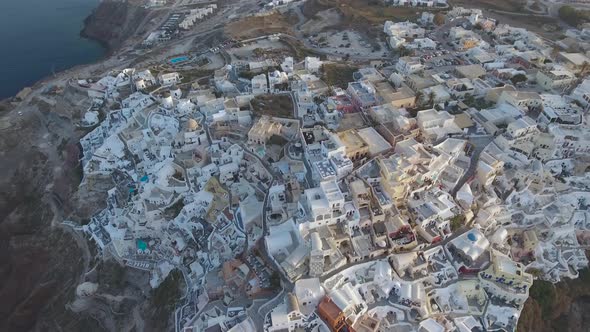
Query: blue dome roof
472,237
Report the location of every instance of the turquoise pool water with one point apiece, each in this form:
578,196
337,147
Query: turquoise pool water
178,60
141,244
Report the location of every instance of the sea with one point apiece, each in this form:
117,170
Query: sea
41,37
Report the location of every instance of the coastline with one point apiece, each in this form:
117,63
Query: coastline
104,44
108,31
83,55
84,34
112,23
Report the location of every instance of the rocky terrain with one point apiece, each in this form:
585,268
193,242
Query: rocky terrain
561,307
39,260
113,22
42,261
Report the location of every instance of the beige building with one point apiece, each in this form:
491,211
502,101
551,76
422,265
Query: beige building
397,174
263,130
555,79
470,71
575,62
356,147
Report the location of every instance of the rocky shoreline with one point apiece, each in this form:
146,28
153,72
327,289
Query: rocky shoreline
110,30
113,22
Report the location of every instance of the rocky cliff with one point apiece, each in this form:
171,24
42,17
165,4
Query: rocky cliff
555,308
40,260
113,22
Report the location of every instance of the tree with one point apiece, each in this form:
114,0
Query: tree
457,221
518,78
275,280
431,98
439,19
469,100
403,51
572,16
418,97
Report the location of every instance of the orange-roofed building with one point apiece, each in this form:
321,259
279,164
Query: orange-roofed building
331,314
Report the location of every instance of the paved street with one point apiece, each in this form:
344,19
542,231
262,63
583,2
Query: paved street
479,143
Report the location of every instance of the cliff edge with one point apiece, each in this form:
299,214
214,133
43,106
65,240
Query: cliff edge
113,22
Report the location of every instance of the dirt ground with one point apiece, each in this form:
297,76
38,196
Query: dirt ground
256,26
529,22
273,105
338,75
260,49
350,42
41,262
360,12
501,9
505,5
322,21
365,18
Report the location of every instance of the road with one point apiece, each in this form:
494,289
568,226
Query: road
212,24
260,308
440,34
479,143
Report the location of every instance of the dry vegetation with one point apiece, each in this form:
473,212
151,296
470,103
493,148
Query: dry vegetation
255,26
338,75
561,307
513,12
273,105
360,12
504,5
298,49
366,17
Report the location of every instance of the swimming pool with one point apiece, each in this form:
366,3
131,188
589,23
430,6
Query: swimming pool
141,245
178,60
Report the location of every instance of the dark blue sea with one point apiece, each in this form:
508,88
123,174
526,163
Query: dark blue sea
40,37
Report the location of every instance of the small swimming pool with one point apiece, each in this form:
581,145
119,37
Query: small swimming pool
178,60
141,245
